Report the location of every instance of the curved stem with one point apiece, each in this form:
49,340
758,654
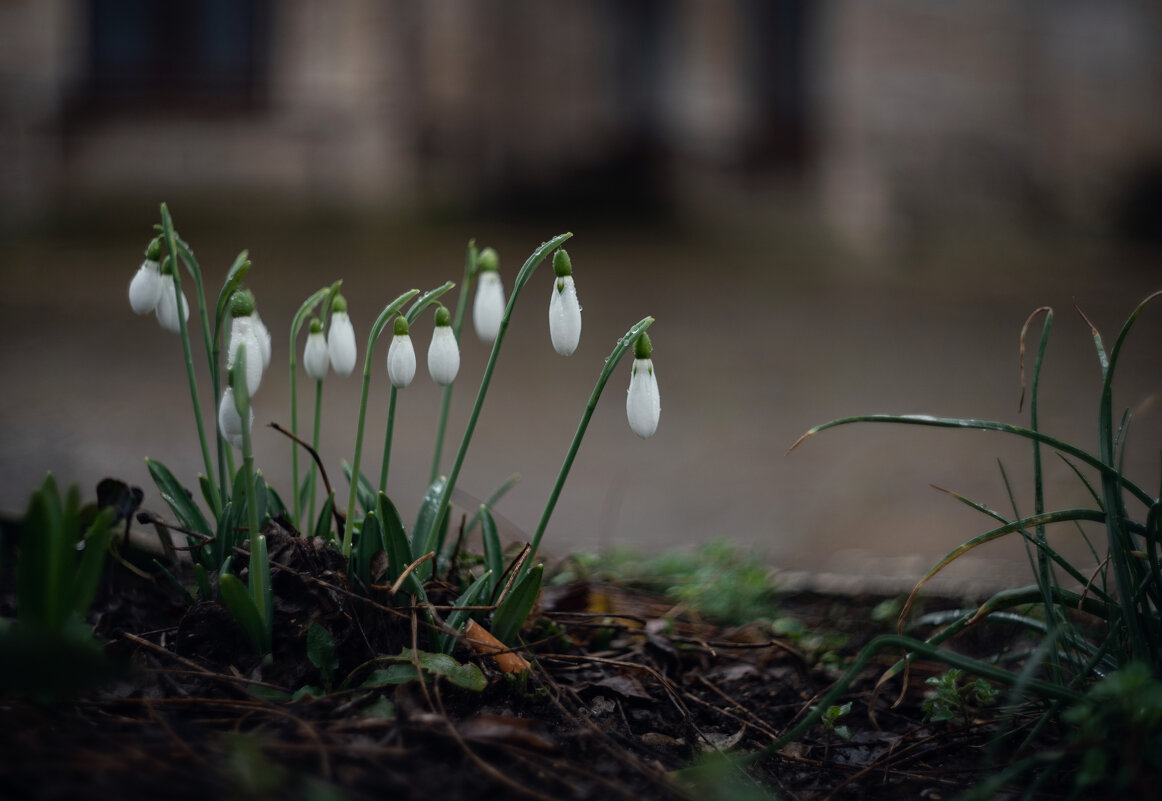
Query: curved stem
376,329
522,278
171,247
457,324
623,344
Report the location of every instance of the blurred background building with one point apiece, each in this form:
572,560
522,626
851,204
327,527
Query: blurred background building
886,117
832,207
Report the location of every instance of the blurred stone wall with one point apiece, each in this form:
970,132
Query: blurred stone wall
886,117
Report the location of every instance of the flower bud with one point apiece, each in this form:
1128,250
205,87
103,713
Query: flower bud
643,404
229,420
145,288
488,307
401,356
341,339
168,303
315,357
444,351
242,333
564,315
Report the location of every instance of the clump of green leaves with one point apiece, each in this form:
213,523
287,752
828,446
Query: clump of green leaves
830,720
954,698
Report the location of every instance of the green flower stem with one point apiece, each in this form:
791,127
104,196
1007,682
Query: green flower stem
171,248
296,325
522,278
417,308
623,344
387,441
457,323
315,445
376,329
233,280
242,404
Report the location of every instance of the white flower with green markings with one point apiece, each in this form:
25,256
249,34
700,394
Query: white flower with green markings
444,351
564,308
145,288
643,405
401,356
488,307
229,421
243,332
316,360
170,301
341,339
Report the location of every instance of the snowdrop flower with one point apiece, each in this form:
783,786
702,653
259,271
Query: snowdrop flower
488,307
315,357
170,301
564,309
145,288
230,421
341,338
243,332
444,352
643,406
401,356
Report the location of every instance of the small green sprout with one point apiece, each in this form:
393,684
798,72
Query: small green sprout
954,699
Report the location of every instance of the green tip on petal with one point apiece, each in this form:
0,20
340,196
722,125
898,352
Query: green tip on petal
562,264
443,317
316,325
339,304
153,250
242,303
488,260
642,347
401,326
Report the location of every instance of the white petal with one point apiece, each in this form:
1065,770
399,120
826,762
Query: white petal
167,306
488,307
401,361
564,316
443,356
242,333
341,344
263,334
643,405
229,421
315,357
145,288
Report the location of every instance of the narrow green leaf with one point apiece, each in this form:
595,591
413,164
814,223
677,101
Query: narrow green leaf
88,572
304,491
242,607
493,553
177,585
323,524
493,499
35,541
370,543
210,496
510,616
427,299
234,278
475,595
260,590
203,582
178,499
274,503
422,531
395,539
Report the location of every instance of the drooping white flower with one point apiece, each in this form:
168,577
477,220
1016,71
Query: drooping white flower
229,421
263,335
643,405
168,305
315,357
401,356
341,339
564,308
444,351
242,333
488,306
145,288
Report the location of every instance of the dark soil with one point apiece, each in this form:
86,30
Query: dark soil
624,691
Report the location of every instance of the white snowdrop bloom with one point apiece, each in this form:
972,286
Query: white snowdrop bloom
315,357
229,421
242,333
564,308
444,352
341,339
401,356
145,288
643,405
488,306
168,304
263,335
